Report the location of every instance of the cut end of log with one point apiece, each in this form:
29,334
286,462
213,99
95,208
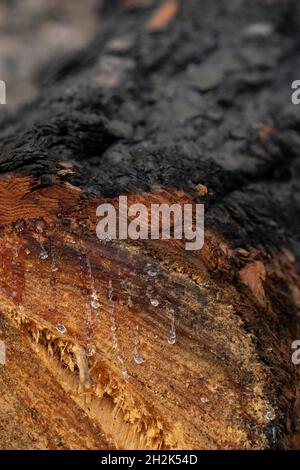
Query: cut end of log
136,330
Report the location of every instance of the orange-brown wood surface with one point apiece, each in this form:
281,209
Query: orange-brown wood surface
149,340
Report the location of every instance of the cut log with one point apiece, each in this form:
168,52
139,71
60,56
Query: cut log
160,347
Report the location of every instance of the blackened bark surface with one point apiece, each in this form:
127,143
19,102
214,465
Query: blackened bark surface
207,99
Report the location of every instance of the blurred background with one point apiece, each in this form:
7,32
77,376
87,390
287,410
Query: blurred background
35,32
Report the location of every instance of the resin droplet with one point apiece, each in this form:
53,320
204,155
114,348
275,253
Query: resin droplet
151,273
20,225
125,375
274,435
129,302
138,359
172,334
114,342
54,267
270,413
40,226
94,302
90,351
172,338
154,302
94,297
61,328
110,290
43,254
114,328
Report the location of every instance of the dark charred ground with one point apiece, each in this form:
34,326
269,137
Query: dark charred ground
205,100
